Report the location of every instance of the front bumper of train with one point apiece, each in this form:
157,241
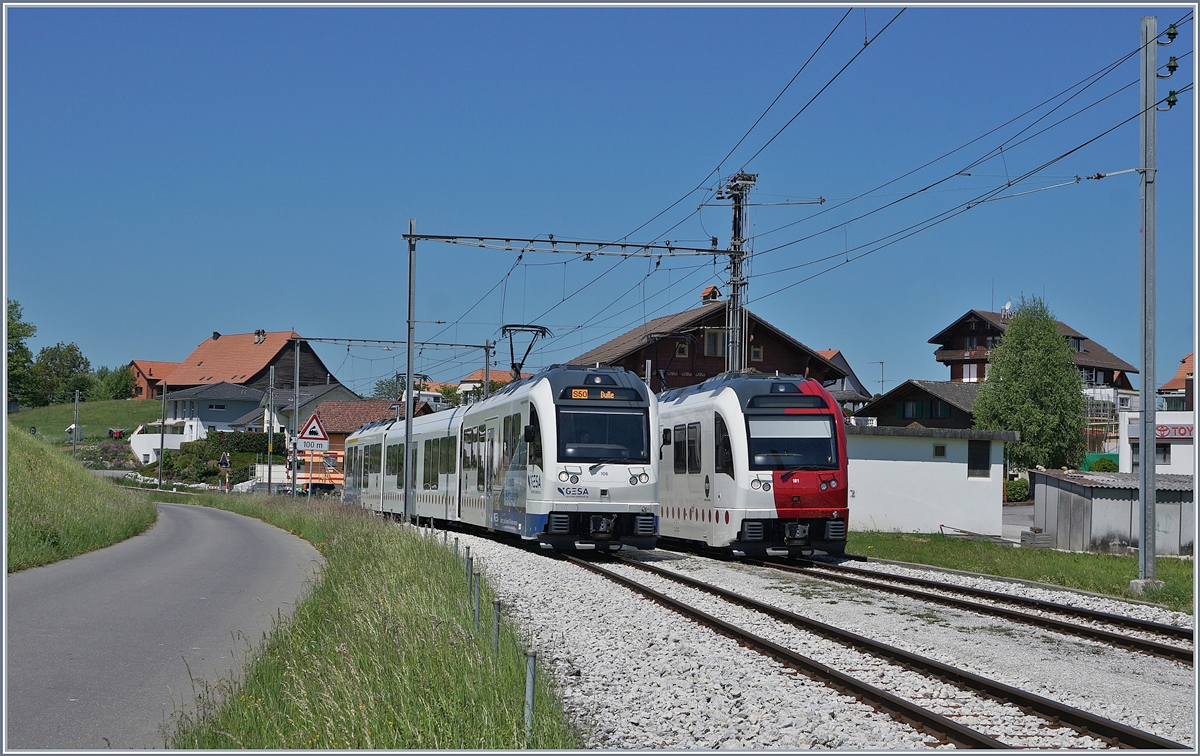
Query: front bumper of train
790,537
600,531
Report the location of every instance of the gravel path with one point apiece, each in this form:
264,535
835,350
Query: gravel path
635,675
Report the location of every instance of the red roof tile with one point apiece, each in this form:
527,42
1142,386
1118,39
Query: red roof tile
1179,382
154,368
346,417
233,358
499,376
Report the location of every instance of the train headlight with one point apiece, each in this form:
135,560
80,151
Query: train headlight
833,483
574,478
633,479
643,478
766,486
756,484
563,476
824,486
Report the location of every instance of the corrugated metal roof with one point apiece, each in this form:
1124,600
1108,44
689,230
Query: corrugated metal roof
1131,481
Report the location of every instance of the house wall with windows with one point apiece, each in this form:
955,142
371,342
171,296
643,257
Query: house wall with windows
1174,446
916,480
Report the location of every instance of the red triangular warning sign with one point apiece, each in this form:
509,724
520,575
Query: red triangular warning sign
313,430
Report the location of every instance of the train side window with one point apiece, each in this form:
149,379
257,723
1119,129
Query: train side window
723,446
481,454
451,454
693,447
677,447
425,473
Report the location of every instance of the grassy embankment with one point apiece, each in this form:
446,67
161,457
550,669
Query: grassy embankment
95,417
1100,573
382,655
57,509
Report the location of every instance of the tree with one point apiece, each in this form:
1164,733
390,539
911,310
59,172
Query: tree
20,359
389,388
1033,386
451,394
57,372
114,383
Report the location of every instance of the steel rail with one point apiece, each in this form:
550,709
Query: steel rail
1119,735
1132,623
898,708
1143,645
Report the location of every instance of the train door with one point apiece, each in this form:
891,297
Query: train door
492,460
448,471
724,478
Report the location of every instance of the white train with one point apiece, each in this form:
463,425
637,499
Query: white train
563,458
756,465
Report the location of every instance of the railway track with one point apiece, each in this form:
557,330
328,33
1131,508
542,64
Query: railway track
1009,705
1154,638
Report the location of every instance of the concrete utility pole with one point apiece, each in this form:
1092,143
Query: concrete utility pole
270,426
162,435
296,420
75,426
735,313
881,385
1148,480
408,385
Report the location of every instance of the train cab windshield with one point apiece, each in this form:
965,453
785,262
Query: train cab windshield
792,442
615,436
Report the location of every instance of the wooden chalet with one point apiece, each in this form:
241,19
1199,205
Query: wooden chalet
688,347
925,404
964,347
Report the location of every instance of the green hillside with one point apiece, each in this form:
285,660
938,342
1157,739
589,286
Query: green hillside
57,509
95,417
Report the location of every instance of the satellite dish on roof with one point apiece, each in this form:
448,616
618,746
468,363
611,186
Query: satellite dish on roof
1006,310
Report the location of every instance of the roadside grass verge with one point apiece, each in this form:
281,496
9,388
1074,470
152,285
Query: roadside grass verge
383,653
1100,573
57,509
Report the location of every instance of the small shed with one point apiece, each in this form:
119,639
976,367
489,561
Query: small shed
917,480
1093,511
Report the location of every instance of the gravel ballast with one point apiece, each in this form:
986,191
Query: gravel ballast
633,674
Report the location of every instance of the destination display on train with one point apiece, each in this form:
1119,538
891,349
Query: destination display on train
602,393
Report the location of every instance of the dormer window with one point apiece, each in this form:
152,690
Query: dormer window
1077,343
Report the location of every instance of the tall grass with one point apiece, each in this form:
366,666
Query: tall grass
382,655
57,509
1100,573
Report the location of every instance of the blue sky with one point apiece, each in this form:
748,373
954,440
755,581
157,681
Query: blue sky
177,171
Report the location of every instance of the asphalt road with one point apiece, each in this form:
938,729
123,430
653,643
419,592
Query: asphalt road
100,646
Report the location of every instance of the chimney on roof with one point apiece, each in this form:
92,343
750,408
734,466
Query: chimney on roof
260,336
711,294
216,335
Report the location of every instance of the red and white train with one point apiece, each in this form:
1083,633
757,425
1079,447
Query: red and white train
755,464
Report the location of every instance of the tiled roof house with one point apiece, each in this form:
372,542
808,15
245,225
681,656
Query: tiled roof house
1177,392
245,359
148,375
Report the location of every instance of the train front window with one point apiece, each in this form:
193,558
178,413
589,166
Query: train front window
615,436
792,442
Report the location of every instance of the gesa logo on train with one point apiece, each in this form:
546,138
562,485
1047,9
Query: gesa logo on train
572,491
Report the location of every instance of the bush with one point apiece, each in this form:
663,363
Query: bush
1104,464
1016,490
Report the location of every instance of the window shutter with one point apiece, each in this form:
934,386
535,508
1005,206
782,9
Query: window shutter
900,410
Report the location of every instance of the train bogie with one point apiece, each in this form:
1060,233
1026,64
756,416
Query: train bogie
754,464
